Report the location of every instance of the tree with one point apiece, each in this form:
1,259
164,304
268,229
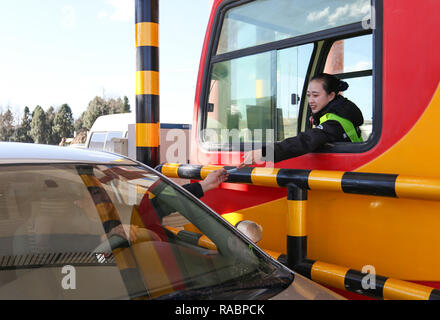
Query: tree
114,105
126,105
22,133
53,137
79,123
63,122
7,125
118,105
97,107
39,128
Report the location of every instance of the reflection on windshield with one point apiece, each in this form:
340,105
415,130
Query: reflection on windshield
112,225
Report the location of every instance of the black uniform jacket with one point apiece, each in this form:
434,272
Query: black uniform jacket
194,188
311,139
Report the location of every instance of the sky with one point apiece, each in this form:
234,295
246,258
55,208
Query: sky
69,51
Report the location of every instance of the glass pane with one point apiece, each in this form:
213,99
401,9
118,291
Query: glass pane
109,143
240,100
114,229
264,21
358,53
292,64
97,141
360,91
351,55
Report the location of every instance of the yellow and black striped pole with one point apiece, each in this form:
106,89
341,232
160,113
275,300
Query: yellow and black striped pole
296,225
125,259
365,183
193,238
352,280
147,82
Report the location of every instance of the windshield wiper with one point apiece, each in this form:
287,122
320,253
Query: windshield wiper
223,291
209,292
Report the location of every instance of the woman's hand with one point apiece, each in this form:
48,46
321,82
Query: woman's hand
213,179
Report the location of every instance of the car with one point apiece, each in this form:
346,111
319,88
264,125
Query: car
82,224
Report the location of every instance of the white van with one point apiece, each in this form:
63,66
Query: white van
117,133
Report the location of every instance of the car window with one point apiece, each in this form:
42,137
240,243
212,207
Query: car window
110,140
109,232
97,141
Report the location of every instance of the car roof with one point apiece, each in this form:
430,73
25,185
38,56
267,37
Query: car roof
16,152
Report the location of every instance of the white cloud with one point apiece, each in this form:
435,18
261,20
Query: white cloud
338,14
318,15
360,65
68,17
357,10
121,10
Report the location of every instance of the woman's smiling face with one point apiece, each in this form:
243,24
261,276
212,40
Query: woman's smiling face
317,96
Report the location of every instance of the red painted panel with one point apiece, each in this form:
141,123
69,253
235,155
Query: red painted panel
240,199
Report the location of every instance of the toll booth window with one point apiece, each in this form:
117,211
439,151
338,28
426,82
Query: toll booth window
267,51
351,60
240,98
97,141
264,21
292,66
256,98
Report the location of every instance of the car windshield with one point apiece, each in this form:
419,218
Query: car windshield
82,231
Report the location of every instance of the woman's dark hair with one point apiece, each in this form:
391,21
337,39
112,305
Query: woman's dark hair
330,83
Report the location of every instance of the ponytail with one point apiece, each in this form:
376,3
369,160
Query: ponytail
330,83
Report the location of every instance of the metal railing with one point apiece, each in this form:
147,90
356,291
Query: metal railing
298,182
